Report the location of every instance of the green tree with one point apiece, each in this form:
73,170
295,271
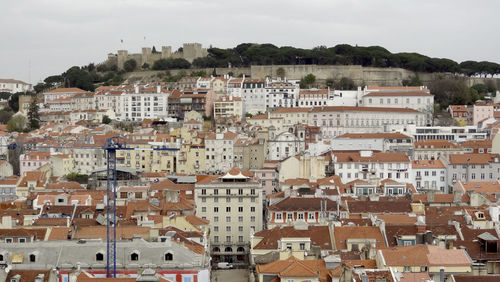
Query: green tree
280,72
307,81
346,83
5,115
106,119
16,124
14,102
33,115
145,66
130,65
330,82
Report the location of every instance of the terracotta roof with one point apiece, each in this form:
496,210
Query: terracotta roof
38,233
122,232
362,109
320,236
293,267
397,218
435,144
481,187
380,206
194,220
477,144
71,185
28,275
302,204
424,255
373,135
397,93
376,157
473,159
51,221
66,90
343,233
59,233
427,164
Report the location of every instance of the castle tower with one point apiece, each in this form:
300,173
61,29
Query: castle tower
166,52
146,56
192,51
122,57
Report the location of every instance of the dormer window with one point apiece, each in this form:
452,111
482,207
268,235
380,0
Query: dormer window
32,258
170,257
134,256
99,256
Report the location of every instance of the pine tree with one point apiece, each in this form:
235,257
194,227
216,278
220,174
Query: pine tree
33,115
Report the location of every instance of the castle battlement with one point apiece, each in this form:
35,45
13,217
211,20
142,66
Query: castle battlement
190,51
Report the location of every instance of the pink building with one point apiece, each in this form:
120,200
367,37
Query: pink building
32,161
481,111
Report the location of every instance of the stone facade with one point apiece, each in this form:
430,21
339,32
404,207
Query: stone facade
190,51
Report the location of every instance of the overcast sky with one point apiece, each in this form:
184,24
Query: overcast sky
46,37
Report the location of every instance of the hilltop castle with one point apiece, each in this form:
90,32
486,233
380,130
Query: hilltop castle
190,51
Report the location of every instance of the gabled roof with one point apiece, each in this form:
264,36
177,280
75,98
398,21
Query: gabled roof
343,233
293,267
424,255
397,93
319,235
302,204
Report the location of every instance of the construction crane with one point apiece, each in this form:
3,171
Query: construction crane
112,145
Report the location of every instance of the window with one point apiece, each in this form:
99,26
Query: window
228,219
240,209
228,209
240,219
216,228
252,218
22,240
302,246
252,209
228,239
216,239
134,256
32,258
99,257
300,216
203,209
407,269
216,209
279,216
240,228
216,219
228,228
240,239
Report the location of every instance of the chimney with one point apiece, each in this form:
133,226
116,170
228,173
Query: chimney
158,89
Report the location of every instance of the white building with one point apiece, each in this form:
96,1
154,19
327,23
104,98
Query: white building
314,97
429,175
281,93
235,87
254,96
335,121
144,103
369,165
283,145
421,101
14,86
219,151
456,134
385,142
57,93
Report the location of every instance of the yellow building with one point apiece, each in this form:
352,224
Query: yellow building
62,164
228,106
32,181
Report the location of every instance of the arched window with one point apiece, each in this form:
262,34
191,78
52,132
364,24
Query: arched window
240,249
169,256
99,257
228,249
1,257
134,256
216,250
32,258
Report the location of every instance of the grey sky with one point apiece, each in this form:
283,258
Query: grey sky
53,35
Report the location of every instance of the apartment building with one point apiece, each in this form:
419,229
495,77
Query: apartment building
150,103
368,165
429,175
219,151
57,93
314,98
32,161
281,93
253,93
233,204
421,101
228,106
471,167
435,149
